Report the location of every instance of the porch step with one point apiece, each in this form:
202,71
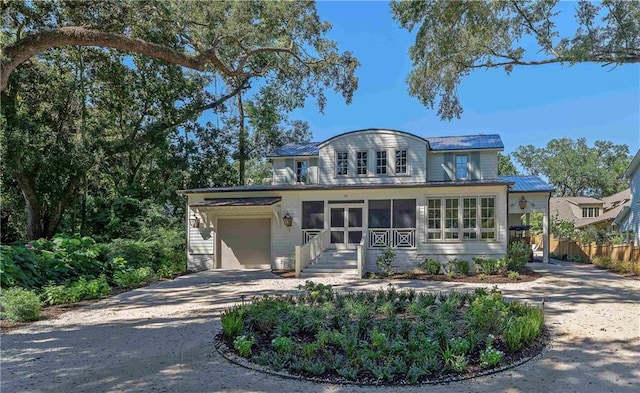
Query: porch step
333,262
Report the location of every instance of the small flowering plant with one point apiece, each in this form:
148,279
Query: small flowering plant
490,357
243,345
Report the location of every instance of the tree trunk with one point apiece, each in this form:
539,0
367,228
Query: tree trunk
242,142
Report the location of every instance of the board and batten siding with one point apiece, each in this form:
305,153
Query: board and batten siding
634,214
284,170
483,165
372,141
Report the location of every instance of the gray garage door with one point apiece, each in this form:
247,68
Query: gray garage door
244,243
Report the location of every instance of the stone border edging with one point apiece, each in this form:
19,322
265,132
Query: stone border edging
229,355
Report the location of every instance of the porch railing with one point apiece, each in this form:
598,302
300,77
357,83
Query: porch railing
310,250
361,253
308,234
393,237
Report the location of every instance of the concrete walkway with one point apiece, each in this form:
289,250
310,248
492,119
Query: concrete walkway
159,338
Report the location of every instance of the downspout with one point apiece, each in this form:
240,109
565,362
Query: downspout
546,243
186,225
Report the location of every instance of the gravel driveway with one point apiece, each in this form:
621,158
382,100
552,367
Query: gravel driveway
160,338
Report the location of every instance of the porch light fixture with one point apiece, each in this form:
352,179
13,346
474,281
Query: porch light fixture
287,220
194,222
522,203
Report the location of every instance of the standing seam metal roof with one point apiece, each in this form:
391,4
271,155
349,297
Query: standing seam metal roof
527,184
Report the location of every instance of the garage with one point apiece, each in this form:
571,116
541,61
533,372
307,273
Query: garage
244,243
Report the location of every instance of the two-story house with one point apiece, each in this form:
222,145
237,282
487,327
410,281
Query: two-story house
628,220
365,190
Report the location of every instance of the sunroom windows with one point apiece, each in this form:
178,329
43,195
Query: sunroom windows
463,218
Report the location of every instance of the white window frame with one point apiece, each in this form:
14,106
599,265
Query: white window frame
362,156
467,169
438,220
295,166
346,168
457,234
406,161
591,212
379,165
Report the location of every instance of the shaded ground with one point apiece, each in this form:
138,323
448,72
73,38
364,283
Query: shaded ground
160,338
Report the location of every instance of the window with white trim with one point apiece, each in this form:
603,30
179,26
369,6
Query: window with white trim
590,212
361,162
302,167
342,163
434,219
488,218
401,161
381,162
462,167
465,218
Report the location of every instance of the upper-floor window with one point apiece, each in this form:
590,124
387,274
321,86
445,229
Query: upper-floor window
361,163
401,161
381,162
302,167
342,163
462,167
590,212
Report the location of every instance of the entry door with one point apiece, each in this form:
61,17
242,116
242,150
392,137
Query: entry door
346,227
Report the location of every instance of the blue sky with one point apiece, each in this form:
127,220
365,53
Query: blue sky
530,106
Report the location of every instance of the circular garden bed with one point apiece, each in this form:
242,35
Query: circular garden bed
382,337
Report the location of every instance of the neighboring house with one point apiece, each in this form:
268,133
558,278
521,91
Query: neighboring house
586,211
629,218
438,197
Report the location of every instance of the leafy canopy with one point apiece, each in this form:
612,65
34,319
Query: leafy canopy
576,169
456,37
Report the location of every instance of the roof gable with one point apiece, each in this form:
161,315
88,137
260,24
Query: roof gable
633,166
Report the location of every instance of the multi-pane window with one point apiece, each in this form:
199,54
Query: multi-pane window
462,167
469,218
342,163
451,224
301,171
381,162
488,218
590,212
434,219
401,161
466,218
361,162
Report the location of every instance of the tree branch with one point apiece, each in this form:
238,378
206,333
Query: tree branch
20,51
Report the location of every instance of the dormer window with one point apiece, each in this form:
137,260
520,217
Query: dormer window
590,212
301,171
381,162
342,163
361,163
462,167
401,161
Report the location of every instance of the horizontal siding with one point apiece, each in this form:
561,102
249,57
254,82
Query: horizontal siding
371,142
281,174
201,240
488,166
634,214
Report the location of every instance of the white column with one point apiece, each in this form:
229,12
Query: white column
545,237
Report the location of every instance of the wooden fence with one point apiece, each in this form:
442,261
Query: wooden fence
618,252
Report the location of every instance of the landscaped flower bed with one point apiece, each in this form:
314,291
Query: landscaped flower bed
387,336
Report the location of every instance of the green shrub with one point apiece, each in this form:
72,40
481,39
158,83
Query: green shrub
462,267
576,258
18,267
490,266
431,266
490,357
486,314
513,276
283,344
602,262
232,323
522,328
82,289
20,305
517,256
132,278
384,260
243,345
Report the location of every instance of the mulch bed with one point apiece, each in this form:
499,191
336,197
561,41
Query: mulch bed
526,275
510,360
